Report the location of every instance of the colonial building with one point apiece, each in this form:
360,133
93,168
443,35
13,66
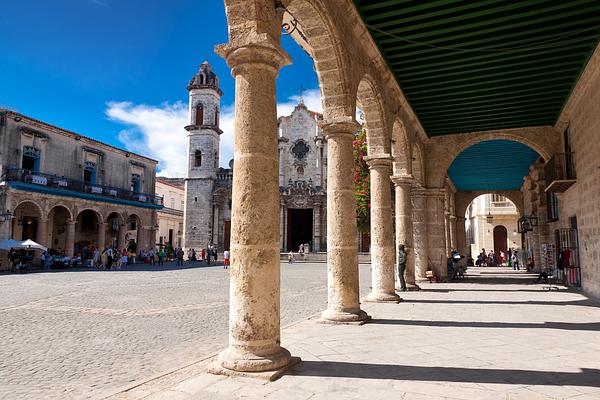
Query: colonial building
302,176
64,190
492,225
302,180
170,218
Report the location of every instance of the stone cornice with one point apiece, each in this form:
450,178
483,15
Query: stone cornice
402,179
379,160
336,126
191,128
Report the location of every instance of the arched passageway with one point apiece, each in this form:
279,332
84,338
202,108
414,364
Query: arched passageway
29,222
58,219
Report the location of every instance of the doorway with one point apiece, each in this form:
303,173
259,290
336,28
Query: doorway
299,228
500,239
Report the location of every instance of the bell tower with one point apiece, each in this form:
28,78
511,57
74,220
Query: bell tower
203,157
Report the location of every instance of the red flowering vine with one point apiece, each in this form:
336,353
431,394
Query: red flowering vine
361,181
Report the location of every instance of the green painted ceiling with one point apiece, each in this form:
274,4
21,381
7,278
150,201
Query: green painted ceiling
488,64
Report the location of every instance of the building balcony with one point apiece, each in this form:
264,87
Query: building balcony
60,185
559,173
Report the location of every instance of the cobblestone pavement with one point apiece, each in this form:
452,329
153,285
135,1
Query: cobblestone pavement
496,336
86,334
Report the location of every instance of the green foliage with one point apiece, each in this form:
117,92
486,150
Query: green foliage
361,181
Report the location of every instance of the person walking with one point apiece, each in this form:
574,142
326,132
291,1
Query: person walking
150,255
179,254
46,260
161,256
226,259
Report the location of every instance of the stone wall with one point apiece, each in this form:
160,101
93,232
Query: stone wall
582,199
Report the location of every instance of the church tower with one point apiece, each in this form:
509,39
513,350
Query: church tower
203,157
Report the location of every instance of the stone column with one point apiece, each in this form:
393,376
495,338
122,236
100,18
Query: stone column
404,226
215,226
436,231
421,258
453,245
42,232
383,277
447,231
317,227
343,296
254,291
121,238
101,236
282,227
461,236
70,242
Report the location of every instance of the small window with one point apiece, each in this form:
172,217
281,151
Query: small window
136,182
199,115
217,117
197,158
89,173
216,160
31,159
172,203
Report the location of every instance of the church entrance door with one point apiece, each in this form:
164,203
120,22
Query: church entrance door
299,228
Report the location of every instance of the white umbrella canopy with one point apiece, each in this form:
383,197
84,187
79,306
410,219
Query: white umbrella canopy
8,244
30,244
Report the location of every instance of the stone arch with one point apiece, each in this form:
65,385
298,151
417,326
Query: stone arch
442,150
115,213
463,199
94,210
61,205
321,39
378,136
35,204
401,149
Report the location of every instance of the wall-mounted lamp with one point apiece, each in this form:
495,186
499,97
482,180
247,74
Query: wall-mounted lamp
5,216
77,137
17,119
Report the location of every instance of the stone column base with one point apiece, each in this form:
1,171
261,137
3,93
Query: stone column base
383,298
421,280
411,287
344,317
217,369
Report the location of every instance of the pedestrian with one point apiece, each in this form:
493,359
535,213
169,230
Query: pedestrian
179,254
124,259
161,256
46,260
515,261
203,255
291,257
150,255
96,262
109,257
226,259
401,266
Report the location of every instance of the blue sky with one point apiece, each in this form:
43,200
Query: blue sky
116,70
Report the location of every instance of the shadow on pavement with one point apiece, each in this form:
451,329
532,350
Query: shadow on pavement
335,369
589,326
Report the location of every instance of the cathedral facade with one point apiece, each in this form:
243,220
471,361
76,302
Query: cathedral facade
302,174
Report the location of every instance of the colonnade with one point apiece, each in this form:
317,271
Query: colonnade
255,57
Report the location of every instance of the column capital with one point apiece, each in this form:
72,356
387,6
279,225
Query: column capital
265,53
70,222
339,126
402,180
379,160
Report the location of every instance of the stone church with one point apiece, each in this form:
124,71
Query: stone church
302,174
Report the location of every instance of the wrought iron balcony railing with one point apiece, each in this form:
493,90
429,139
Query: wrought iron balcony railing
67,184
559,172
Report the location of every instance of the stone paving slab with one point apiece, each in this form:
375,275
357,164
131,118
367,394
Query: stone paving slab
493,336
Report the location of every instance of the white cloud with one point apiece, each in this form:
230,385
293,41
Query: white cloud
157,131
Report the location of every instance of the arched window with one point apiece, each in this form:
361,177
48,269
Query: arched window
197,158
202,79
199,115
